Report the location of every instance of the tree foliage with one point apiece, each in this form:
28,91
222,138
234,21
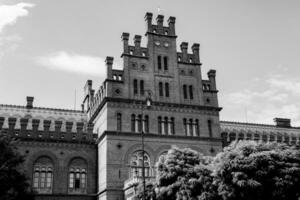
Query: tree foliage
250,170
245,170
13,182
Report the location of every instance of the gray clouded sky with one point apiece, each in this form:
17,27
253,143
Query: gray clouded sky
49,48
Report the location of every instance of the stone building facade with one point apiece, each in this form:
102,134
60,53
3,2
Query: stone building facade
95,153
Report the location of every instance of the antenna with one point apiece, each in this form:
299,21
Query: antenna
246,114
75,100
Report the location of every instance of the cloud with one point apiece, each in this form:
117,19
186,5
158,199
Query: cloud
275,95
8,16
72,62
10,13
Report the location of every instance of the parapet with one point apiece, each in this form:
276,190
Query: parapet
187,58
210,84
44,129
136,50
159,28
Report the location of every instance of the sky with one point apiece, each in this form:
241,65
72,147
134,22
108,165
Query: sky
49,48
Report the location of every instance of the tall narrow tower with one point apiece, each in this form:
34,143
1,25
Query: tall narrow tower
184,109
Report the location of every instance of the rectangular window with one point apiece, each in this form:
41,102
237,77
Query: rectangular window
49,180
119,122
43,179
140,123
190,127
197,127
167,89
83,177
135,86
166,128
184,92
146,124
159,62
132,123
165,63
142,87
159,125
185,126
172,126
191,92
209,123
36,180
160,87
71,180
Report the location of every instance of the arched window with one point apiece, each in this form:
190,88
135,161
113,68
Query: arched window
43,175
232,136
160,87
77,176
133,123
167,89
142,87
136,164
159,62
159,125
166,63
241,136
184,92
135,86
191,92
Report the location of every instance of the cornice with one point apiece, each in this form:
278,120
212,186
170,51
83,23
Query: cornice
152,135
211,109
257,127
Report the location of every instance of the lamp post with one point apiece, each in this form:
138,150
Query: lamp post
148,102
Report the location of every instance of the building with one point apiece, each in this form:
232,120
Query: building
96,152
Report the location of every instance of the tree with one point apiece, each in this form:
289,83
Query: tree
181,174
13,182
258,171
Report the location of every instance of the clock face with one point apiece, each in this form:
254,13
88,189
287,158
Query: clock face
166,44
157,43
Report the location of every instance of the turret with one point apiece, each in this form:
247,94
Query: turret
29,102
171,22
125,38
212,78
109,62
137,41
148,19
184,47
160,20
195,50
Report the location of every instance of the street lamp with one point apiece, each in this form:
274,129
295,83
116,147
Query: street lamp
148,103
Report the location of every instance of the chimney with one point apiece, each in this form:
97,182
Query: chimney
282,122
29,102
